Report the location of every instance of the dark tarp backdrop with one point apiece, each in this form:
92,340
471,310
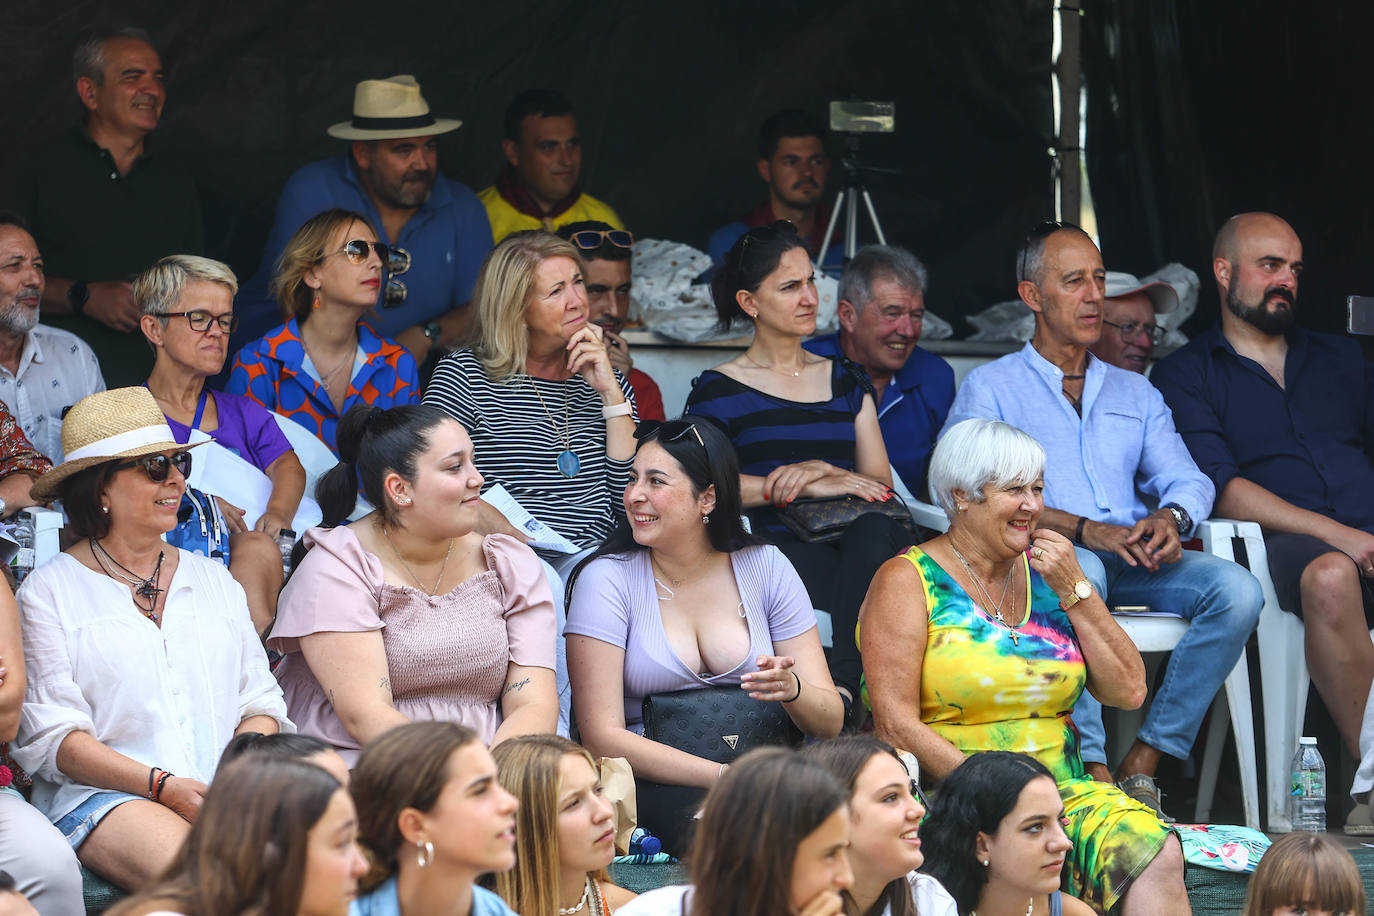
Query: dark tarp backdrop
669,98
1197,111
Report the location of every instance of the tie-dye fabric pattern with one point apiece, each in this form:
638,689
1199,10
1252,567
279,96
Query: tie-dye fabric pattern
982,692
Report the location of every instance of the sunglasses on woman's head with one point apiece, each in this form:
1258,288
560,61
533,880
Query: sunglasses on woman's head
158,466
647,428
592,239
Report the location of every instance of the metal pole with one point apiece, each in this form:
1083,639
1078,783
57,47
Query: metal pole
1069,71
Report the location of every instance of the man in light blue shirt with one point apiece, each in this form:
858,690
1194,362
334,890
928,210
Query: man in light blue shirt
1111,453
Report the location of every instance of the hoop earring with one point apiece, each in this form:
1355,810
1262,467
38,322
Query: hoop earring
424,854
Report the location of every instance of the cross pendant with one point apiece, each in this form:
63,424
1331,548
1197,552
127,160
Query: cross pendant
1015,640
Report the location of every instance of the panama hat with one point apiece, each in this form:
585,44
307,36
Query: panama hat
1162,296
390,109
119,423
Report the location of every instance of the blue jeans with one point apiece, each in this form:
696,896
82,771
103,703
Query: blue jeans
1220,600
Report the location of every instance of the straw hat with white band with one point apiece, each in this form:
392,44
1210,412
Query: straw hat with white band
119,423
391,109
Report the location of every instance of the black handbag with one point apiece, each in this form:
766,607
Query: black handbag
716,723
823,519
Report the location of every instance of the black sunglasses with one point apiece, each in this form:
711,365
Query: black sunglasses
658,429
356,252
158,466
592,239
1042,229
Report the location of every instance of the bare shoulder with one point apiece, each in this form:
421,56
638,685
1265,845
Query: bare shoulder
1075,907
615,895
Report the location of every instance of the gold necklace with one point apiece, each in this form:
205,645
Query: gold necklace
442,566
796,374
996,606
568,462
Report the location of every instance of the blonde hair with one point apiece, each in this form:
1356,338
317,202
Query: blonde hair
503,293
303,251
528,768
158,289
1305,868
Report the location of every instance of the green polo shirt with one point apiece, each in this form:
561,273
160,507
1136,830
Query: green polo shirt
93,224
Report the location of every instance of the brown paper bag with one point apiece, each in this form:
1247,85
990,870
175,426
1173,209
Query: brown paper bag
618,788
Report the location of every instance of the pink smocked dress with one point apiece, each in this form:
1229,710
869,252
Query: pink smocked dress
447,654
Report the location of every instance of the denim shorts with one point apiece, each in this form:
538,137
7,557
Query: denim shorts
78,823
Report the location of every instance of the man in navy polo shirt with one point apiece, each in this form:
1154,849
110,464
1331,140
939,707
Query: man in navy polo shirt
1280,419
882,304
390,174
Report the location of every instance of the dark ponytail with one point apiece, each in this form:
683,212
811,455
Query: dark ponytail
373,442
749,261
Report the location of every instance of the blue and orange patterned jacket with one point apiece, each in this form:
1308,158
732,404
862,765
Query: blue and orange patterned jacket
269,370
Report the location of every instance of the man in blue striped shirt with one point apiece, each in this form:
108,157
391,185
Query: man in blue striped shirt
1111,453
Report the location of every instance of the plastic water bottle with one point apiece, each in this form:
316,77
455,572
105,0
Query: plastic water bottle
644,843
23,562
286,542
1307,792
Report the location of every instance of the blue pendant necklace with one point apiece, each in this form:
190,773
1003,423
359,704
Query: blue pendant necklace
568,463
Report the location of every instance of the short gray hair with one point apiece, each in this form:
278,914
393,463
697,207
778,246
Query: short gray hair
974,453
874,262
1030,257
158,289
88,60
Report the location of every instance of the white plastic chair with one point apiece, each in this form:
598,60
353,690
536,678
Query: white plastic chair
1153,635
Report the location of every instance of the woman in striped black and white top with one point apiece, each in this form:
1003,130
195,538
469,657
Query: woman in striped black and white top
552,422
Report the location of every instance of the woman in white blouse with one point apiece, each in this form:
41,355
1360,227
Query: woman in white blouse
142,659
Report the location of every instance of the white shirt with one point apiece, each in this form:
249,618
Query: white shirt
56,369
168,697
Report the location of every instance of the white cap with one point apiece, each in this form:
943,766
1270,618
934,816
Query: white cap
1311,741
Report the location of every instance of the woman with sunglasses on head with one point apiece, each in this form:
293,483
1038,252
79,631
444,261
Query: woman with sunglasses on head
774,841
326,359
276,836
564,830
606,251
433,818
142,659
187,308
409,613
681,597
885,812
804,426
995,838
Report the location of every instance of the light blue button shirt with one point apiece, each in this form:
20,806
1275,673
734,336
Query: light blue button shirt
1104,465
382,901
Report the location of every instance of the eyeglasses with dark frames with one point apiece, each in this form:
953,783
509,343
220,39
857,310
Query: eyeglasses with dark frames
1130,329
659,430
158,466
592,239
199,320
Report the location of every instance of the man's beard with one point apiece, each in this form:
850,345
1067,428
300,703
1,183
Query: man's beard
18,318
408,193
1272,323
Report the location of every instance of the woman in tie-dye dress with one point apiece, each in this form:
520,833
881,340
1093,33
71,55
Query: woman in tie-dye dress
983,639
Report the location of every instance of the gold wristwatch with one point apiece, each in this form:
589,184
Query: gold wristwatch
1082,589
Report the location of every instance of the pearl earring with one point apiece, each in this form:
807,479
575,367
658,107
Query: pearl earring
403,500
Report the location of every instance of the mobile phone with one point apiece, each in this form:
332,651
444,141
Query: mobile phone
1359,314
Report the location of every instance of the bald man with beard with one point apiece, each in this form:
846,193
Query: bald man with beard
1282,420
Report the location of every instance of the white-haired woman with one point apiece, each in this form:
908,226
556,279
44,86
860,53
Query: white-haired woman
187,309
141,659
983,638
552,421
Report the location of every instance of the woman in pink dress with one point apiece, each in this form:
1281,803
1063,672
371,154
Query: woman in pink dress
409,613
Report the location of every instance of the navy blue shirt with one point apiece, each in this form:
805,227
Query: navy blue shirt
911,410
1306,442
